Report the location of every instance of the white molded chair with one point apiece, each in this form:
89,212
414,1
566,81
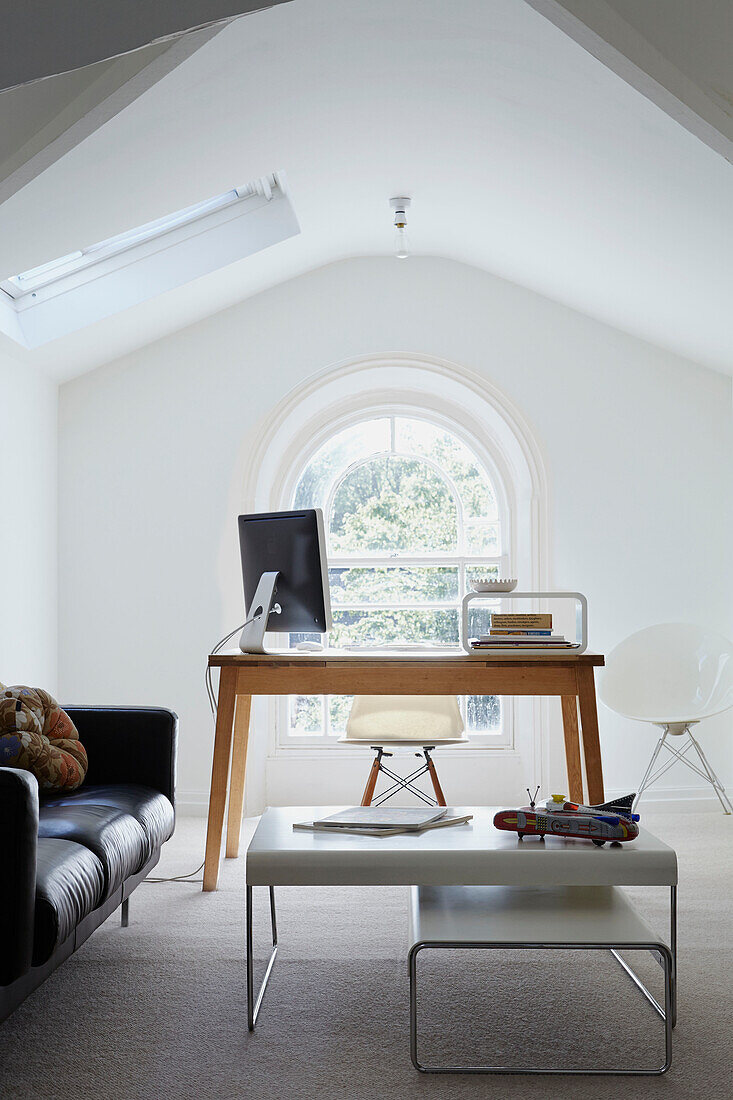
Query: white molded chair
672,675
407,721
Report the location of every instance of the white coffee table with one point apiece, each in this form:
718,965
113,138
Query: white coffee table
475,854
501,918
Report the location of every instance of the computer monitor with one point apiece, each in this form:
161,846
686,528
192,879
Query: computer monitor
285,575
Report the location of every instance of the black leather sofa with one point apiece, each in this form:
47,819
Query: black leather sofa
67,861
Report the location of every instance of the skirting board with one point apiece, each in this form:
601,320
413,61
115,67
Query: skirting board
685,800
195,803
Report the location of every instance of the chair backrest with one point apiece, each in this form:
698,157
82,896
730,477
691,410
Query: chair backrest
423,718
672,672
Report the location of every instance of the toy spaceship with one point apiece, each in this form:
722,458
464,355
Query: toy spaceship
612,821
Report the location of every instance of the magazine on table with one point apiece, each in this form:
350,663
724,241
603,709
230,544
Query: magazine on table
382,822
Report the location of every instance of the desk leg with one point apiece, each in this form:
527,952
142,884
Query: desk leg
219,775
239,771
572,747
589,729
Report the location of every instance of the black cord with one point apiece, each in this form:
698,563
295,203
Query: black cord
213,705
179,878
217,647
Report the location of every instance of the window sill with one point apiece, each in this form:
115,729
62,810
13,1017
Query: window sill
311,751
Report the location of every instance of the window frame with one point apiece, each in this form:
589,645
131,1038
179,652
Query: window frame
326,740
100,280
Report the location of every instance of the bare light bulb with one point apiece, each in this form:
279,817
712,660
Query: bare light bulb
400,206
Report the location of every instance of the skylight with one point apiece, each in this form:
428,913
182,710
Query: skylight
84,286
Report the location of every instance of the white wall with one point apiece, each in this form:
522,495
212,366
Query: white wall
638,446
28,526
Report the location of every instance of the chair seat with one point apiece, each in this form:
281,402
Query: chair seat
669,673
672,675
417,718
69,885
388,743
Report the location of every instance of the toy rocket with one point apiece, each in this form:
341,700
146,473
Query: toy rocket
610,821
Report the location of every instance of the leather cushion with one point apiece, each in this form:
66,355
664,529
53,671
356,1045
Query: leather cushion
115,837
150,808
69,885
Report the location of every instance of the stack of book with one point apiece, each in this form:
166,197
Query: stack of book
516,631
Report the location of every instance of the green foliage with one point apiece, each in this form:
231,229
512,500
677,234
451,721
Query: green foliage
372,627
454,459
339,707
391,505
394,504
394,584
305,714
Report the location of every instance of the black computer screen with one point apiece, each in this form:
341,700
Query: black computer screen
290,543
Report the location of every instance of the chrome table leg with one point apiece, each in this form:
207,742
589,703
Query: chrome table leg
659,949
673,964
253,1006
673,946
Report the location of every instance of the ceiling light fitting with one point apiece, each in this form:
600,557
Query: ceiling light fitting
400,204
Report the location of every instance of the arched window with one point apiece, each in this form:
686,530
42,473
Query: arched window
428,474
412,516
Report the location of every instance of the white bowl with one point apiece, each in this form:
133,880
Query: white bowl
500,585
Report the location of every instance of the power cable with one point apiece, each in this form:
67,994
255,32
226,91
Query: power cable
213,705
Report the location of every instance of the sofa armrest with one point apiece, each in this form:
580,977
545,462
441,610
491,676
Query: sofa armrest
129,745
18,846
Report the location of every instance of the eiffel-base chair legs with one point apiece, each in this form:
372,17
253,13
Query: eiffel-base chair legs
400,783
701,766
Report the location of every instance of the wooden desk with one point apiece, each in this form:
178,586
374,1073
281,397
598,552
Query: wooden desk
243,675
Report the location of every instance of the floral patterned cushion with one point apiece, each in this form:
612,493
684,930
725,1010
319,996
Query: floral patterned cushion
36,734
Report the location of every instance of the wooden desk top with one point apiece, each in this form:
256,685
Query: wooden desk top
335,657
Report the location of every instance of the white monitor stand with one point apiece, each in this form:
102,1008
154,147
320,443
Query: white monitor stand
252,638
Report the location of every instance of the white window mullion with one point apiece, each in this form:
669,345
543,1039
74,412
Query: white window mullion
398,561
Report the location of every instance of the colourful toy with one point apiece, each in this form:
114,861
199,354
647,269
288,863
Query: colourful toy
612,821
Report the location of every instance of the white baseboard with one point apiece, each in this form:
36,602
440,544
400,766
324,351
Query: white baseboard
687,800
195,803
192,803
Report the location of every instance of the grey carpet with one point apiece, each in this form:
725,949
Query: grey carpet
158,1009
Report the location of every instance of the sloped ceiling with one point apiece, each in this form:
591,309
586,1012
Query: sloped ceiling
42,38
69,66
679,53
523,155
697,38
44,120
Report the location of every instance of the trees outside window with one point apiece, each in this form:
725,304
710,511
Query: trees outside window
412,518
